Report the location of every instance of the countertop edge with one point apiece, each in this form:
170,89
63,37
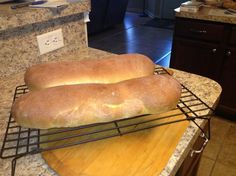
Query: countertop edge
192,132
203,14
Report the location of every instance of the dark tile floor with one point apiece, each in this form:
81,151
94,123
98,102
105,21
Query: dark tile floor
134,37
219,158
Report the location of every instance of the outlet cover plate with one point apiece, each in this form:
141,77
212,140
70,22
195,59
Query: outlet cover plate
50,41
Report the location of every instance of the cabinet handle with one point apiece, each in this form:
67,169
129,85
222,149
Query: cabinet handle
214,50
203,145
198,31
228,53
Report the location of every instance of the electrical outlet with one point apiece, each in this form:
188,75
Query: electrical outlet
50,41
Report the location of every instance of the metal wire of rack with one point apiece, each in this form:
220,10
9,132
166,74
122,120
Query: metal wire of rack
19,141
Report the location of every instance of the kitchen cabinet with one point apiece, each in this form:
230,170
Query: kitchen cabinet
97,16
228,82
208,48
105,14
191,53
115,12
163,9
190,165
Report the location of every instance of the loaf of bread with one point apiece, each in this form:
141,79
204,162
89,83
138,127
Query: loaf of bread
75,105
229,4
107,70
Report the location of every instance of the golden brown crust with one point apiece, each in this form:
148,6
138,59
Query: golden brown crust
108,70
74,105
229,4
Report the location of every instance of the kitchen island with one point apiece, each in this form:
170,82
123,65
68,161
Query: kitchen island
206,89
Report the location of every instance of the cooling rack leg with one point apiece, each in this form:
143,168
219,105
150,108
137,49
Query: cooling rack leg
13,166
209,129
118,129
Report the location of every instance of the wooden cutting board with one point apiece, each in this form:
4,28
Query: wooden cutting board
143,153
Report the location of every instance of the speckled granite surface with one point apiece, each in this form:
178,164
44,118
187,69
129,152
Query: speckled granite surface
18,42
30,165
206,14
10,18
19,47
205,88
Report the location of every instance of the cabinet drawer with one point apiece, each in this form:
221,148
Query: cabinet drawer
202,58
198,30
232,39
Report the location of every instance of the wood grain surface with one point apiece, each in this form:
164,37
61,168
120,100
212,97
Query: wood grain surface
143,153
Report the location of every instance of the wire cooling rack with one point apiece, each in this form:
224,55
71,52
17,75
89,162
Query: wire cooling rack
19,141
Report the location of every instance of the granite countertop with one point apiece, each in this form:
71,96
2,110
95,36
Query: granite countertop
209,14
204,88
12,18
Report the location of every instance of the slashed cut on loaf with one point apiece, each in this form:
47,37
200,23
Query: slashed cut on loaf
74,105
107,70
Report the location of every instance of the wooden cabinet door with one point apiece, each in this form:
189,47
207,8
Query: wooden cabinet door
228,82
115,12
196,57
97,16
190,165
